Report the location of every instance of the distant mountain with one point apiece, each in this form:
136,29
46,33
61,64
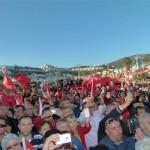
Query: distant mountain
49,72
142,59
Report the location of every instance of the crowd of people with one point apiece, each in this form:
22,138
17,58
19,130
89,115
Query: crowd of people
36,116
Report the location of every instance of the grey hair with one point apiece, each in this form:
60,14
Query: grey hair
142,117
7,138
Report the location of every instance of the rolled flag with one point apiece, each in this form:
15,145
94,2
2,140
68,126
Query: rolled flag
40,107
93,86
23,79
8,83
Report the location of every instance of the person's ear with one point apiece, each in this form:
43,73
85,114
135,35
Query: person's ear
142,126
19,126
106,131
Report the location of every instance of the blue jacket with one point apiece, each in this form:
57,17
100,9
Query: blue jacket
76,143
126,144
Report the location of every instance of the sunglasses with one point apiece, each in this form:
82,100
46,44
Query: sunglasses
110,120
2,125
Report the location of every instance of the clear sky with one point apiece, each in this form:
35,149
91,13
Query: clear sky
65,33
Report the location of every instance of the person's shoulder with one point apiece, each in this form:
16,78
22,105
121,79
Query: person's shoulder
129,139
105,140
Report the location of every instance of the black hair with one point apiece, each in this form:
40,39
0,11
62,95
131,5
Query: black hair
24,117
17,106
45,109
139,107
49,133
99,147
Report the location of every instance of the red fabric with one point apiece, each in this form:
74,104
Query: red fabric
7,99
8,83
47,89
114,87
29,146
125,112
45,86
4,99
12,100
93,89
19,99
117,82
93,80
23,79
82,130
37,121
59,94
105,80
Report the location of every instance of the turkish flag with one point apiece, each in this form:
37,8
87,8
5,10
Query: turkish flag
59,94
105,79
4,99
19,99
8,83
23,79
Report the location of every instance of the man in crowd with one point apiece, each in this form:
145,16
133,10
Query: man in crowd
114,138
143,133
19,111
113,111
25,127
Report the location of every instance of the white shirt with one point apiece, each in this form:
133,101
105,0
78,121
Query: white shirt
91,138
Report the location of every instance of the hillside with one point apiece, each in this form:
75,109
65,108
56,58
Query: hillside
49,72
142,59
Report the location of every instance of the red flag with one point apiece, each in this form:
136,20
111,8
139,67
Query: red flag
4,99
8,83
93,88
23,79
59,94
105,79
19,99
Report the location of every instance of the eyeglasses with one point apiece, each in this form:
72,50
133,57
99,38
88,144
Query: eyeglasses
2,125
11,146
110,120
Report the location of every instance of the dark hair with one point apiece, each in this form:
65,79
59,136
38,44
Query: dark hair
110,120
49,133
139,107
17,106
45,109
45,103
24,117
41,124
11,110
99,147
